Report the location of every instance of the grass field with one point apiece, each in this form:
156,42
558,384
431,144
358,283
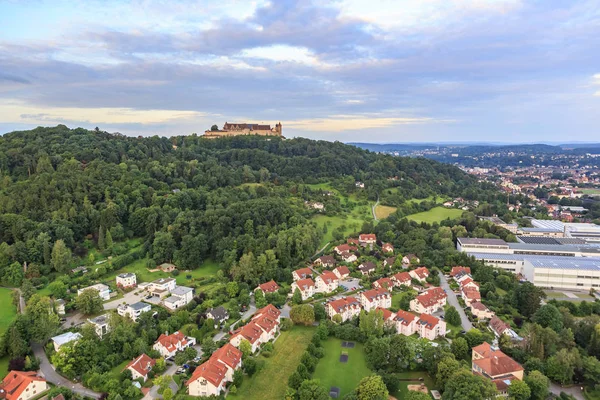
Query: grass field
270,383
436,214
397,297
383,212
3,366
592,192
403,391
440,200
8,311
331,372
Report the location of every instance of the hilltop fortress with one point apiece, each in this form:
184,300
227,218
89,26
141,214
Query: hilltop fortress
233,129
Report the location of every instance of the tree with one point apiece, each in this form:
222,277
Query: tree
208,346
295,380
109,242
245,348
167,394
43,321
101,240
519,390
303,314
320,313
13,275
460,348
538,384
163,247
452,316
89,302
372,388
312,390
27,289
371,323
561,366
527,298
232,289
214,128
412,395
191,251
297,297
549,316
464,385
591,369
61,256
259,299
445,369
58,289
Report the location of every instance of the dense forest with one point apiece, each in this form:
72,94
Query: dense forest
64,191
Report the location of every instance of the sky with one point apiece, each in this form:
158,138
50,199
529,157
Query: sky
350,70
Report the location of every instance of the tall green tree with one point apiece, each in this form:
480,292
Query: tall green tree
372,388
61,256
89,302
538,384
452,316
43,321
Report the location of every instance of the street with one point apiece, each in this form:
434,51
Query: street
453,301
153,393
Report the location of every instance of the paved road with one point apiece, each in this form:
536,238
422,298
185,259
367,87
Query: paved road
129,298
153,393
48,372
374,207
453,301
574,391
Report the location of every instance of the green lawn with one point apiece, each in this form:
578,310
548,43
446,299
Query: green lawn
270,383
397,297
554,295
8,311
591,191
331,372
4,366
436,214
403,391
440,199
500,292
207,269
383,212
116,371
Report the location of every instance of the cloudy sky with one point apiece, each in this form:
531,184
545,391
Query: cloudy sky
349,70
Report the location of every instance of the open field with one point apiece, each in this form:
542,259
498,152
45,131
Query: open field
4,366
270,383
331,372
8,311
397,297
383,212
439,200
436,214
403,391
591,192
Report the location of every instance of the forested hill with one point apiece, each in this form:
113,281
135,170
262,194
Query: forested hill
188,197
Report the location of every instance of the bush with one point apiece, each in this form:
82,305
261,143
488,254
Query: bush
286,324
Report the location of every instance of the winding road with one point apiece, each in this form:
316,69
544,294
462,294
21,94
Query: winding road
374,207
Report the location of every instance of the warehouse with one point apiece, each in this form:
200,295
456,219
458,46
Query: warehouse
563,272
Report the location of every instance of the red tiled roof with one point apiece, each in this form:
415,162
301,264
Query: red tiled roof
266,323
342,270
495,362
429,321
498,325
170,341
421,272
471,293
269,287
142,364
228,355
385,283
345,247
388,246
431,297
342,304
251,332
404,317
375,293
468,280
402,277
304,272
352,241
213,371
328,277
387,314
268,310
459,269
363,237
304,284
479,306
15,383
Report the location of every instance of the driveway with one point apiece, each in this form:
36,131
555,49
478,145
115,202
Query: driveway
453,301
574,391
153,393
285,311
48,372
350,284
130,297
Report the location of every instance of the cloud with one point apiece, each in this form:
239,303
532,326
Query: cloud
343,123
596,81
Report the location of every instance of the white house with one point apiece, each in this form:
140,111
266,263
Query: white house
371,299
20,385
162,287
169,345
102,289
327,282
347,308
100,324
429,301
126,280
180,297
65,338
140,366
306,288
210,378
430,327
134,310
367,238
419,274
342,272
302,273
348,257
406,323
402,279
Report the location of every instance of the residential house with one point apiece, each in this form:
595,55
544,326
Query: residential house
161,288
342,272
269,326
126,280
480,311
406,323
302,273
218,315
410,258
20,385
327,282
268,287
167,267
344,248
384,283
65,338
402,279
389,262
499,327
429,301
456,270
140,366
352,241
59,306
100,324
306,288
430,327
269,310
262,328
367,267
346,307
348,257
373,298
419,274
325,261
468,282
229,356
469,295
102,289
493,364
168,345
250,332
208,379
367,239
181,296
387,248
134,310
